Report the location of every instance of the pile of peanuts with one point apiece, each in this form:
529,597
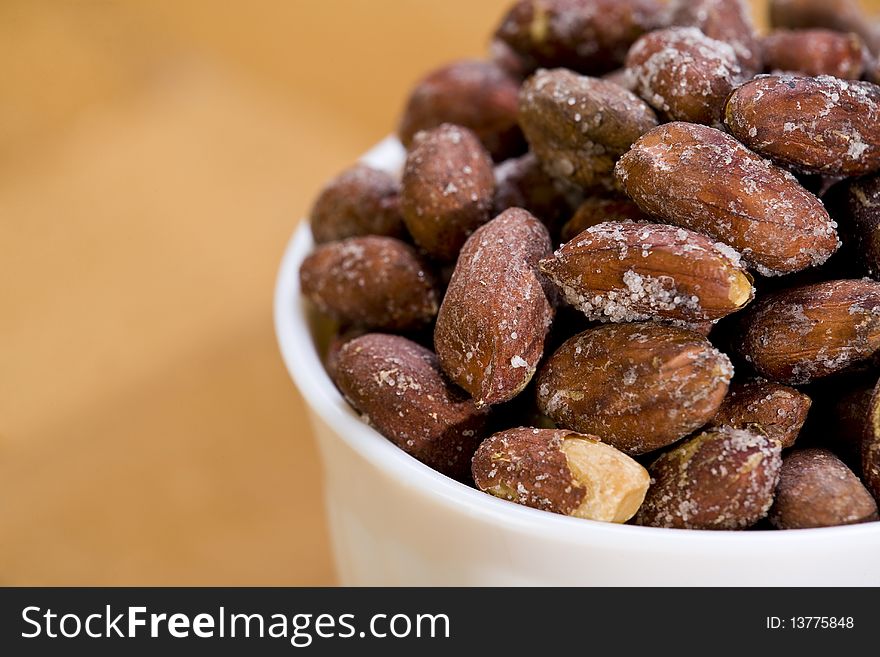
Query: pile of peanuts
629,271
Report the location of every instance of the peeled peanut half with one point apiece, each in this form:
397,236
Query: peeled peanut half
561,471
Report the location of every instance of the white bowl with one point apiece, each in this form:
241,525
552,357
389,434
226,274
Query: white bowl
394,521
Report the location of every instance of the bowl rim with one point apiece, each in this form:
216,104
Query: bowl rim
305,367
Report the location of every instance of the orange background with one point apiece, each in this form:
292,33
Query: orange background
155,155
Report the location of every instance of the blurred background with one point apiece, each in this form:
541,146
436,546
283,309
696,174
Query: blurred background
155,156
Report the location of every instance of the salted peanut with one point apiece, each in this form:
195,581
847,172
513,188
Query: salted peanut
723,20
683,74
815,125
871,446
474,94
797,335
702,179
638,386
816,489
722,479
855,205
773,409
447,189
588,36
624,272
522,183
838,15
560,471
578,126
398,388
495,316
599,209
814,52
359,201
372,282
